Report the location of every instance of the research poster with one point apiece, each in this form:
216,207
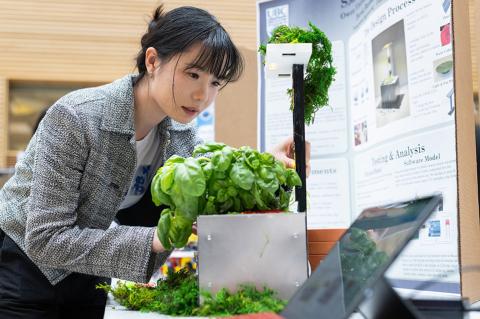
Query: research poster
388,133
205,123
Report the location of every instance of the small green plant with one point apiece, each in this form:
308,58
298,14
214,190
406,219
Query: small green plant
320,71
246,300
178,295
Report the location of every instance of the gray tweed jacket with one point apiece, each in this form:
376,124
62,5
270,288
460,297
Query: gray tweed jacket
67,189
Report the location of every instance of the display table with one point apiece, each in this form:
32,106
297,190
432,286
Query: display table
115,311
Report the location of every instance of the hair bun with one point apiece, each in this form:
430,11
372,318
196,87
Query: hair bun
158,16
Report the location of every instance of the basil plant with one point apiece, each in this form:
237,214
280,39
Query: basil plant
218,179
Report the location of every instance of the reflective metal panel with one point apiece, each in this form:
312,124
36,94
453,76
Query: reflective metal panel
262,249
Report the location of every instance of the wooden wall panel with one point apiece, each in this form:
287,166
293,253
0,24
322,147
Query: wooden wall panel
97,41
69,41
474,13
92,40
468,218
237,111
3,119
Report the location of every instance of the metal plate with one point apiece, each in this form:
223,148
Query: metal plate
262,249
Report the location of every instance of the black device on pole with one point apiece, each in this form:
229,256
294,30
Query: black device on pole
299,135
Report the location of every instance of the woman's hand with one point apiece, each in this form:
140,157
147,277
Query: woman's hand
285,153
157,246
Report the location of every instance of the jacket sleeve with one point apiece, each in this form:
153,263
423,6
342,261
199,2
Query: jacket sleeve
53,239
197,140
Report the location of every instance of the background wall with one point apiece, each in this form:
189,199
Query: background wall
91,42
87,42
474,12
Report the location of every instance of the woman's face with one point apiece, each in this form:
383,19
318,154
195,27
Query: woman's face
182,92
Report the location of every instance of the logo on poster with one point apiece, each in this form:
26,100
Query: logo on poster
276,16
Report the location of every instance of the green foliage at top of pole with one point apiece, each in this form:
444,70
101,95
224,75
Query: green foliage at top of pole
320,71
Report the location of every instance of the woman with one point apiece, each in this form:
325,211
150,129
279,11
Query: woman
93,156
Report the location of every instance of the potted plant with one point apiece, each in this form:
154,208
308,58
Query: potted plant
320,70
219,179
223,182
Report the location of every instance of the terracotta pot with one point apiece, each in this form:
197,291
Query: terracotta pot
320,241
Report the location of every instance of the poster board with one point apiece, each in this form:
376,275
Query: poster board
399,125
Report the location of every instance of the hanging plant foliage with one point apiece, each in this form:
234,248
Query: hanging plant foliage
320,71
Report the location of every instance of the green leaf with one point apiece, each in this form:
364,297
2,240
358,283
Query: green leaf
163,228
226,206
222,195
167,177
280,172
189,177
269,186
173,160
256,191
266,173
188,205
210,208
202,202
215,185
292,178
203,160
267,158
161,198
247,199
207,170
232,191
221,159
180,230
218,174
252,159
242,176
158,196
269,199
207,148
237,204
284,198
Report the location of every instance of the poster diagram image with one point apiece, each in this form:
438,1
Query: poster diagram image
205,118
206,124
446,5
437,230
390,75
443,68
360,133
445,37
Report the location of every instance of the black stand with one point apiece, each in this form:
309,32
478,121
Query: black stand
382,301
299,135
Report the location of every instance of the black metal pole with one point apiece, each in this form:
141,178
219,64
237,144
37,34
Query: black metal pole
299,135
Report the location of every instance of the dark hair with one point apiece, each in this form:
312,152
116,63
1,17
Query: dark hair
173,32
